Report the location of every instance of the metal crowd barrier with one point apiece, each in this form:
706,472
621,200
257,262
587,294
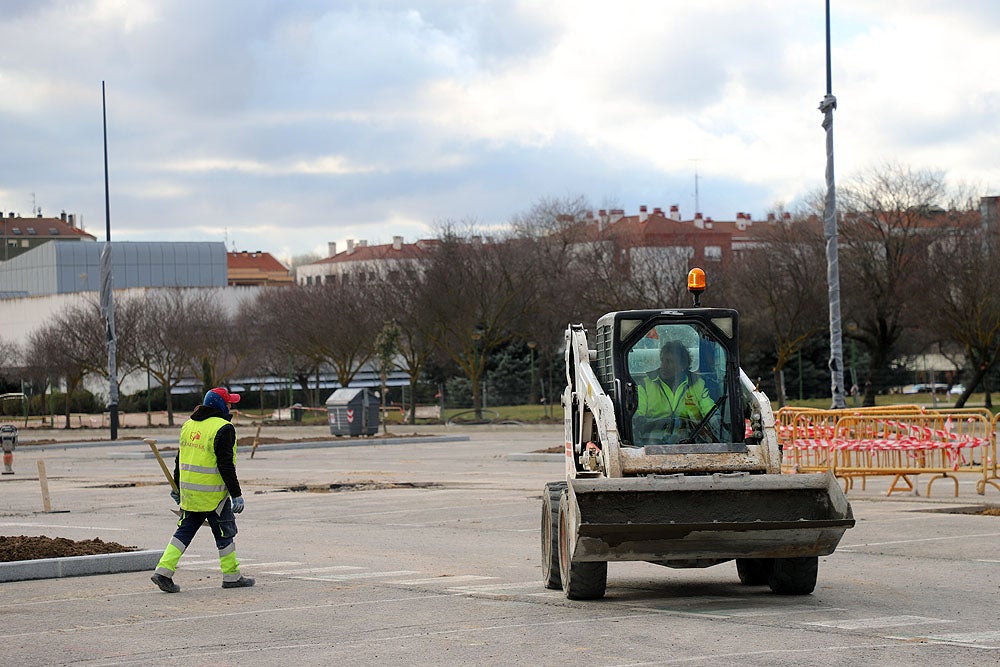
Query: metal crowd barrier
901,441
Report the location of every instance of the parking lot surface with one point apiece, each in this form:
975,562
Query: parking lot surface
428,553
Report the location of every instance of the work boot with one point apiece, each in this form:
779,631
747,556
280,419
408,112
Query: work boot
166,584
242,582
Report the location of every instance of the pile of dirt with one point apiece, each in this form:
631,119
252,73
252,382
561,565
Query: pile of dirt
33,548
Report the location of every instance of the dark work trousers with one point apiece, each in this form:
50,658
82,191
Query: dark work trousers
223,525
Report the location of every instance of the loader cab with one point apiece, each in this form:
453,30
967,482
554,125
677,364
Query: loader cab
673,375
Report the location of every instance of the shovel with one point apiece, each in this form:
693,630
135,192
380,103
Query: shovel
163,467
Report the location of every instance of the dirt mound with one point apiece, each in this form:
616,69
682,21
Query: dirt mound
32,548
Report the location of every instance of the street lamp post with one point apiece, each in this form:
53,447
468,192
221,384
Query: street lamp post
827,106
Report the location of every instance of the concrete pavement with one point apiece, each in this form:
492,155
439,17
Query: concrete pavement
428,553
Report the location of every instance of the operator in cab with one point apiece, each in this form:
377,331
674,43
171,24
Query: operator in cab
671,400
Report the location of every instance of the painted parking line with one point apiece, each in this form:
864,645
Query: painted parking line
277,563
775,610
355,576
879,622
416,509
989,639
316,570
441,580
495,588
848,547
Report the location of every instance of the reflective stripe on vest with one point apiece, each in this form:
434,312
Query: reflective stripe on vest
657,399
202,487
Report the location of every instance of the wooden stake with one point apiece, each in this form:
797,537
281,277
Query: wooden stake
256,440
44,482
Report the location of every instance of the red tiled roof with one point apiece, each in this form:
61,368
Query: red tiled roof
658,226
256,268
383,252
43,229
261,261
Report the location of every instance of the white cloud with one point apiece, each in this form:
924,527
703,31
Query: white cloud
331,165
376,119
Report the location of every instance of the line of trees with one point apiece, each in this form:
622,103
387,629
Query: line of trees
918,274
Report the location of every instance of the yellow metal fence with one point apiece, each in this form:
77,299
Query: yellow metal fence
901,441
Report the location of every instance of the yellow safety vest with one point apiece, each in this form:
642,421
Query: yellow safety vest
657,399
202,487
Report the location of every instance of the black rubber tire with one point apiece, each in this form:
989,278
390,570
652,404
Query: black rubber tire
580,581
754,571
550,534
794,576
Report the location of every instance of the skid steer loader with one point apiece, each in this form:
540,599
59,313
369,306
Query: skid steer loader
690,491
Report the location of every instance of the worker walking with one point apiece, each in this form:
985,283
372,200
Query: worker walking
205,473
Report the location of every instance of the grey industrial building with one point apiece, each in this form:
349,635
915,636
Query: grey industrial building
66,268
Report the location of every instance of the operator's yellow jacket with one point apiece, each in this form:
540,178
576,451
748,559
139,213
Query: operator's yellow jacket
688,401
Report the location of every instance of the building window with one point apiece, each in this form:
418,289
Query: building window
713,252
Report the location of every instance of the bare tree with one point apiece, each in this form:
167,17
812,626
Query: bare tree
339,324
219,340
560,237
164,343
398,298
11,361
477,296
54,349
282,345
963,275
778,276
386,347
888,225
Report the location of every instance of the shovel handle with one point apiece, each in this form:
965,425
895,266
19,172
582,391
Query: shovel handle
163,466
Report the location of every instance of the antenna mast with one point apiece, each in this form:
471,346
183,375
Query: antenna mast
697,204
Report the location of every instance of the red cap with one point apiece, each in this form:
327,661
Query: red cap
225,395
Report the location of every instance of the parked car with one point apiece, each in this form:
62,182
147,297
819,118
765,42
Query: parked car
957,389
925,388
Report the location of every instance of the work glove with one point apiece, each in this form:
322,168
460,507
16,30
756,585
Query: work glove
176,496
237,504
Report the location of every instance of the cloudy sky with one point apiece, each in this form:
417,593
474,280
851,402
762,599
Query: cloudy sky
281,126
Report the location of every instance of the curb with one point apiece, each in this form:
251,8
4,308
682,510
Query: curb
347,442
319,444
537,458
79,566
357,442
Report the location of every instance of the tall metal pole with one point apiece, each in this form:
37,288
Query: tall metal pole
827,106
107,286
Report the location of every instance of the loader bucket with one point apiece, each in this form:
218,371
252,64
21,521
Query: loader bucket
706,517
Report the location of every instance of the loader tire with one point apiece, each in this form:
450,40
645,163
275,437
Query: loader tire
550,534
754,571
580,581
794,576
